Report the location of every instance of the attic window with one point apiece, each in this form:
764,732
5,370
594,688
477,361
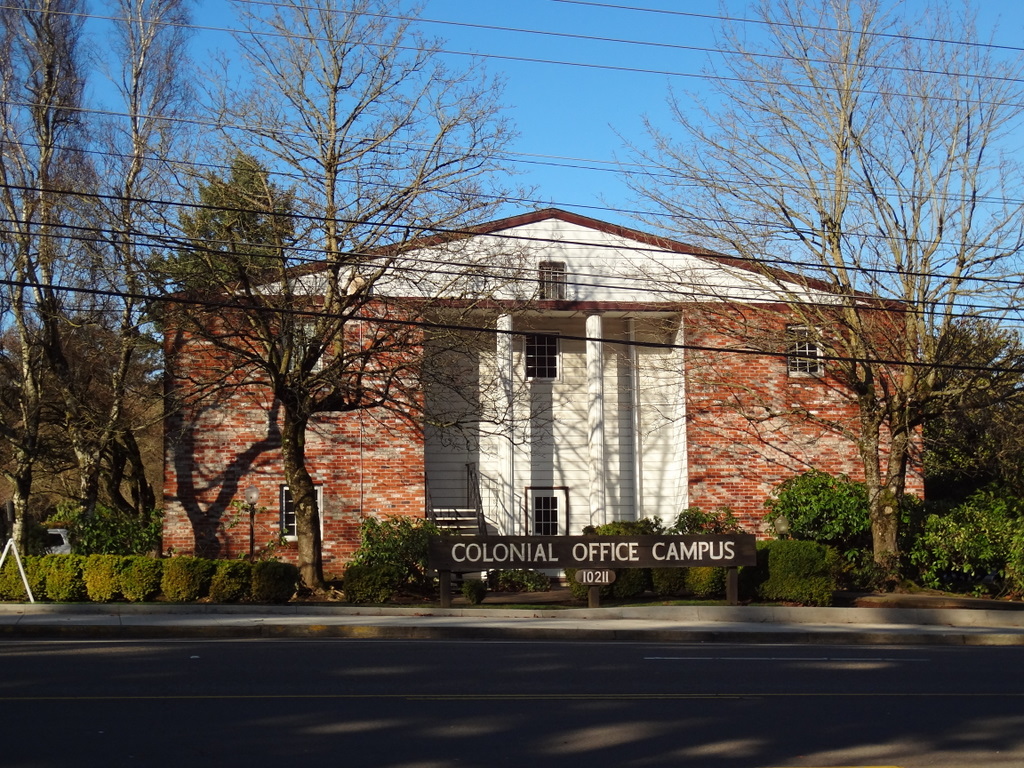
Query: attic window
803,354
551,280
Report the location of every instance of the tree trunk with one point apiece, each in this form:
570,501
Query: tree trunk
300,483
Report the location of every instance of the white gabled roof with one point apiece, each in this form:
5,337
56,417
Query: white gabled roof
604,263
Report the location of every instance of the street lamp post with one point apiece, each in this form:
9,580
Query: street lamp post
252,496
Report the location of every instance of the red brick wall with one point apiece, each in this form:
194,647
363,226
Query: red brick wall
366,463
751,425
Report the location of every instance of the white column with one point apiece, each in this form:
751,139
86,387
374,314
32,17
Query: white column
633,361
595,419
506,407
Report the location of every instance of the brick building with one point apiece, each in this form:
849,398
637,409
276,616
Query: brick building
616,376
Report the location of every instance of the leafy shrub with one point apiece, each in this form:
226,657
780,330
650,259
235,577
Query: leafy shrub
400,543
102,575
631,582
826,509
518,580
11,585
231,581
273,581
669,582
474,590
977,540
693,520
110,531
140,578
706,582
64,582
802,572
186,579
372,583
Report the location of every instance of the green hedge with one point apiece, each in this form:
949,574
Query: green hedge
64,582
273,581
794,571
139,578
11,585
186,579
373,583
232,581
102,575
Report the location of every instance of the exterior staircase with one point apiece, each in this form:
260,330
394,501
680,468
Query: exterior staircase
467,520
458,521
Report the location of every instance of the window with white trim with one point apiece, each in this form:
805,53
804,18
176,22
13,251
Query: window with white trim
803,354
545,515
551,280
542,356
289,527
549,510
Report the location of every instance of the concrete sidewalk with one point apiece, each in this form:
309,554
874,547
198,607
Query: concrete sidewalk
880,625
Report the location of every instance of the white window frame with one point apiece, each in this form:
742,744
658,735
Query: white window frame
560,499
551,280
285,501
552,357
803,353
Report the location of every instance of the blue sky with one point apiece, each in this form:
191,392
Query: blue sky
570,116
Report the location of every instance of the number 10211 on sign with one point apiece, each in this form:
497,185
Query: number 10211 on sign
595,577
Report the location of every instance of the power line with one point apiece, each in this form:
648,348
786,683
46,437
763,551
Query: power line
733,19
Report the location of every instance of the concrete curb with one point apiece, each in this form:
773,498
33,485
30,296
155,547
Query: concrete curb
536,633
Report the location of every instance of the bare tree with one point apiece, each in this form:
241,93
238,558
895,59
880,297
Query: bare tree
41,137
380,144
860,147
149,71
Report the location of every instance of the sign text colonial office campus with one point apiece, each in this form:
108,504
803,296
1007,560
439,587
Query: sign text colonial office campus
460,553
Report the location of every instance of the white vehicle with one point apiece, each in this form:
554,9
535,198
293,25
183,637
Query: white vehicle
57,541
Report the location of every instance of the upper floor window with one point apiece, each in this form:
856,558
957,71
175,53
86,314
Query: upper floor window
803,353
551,280
542,356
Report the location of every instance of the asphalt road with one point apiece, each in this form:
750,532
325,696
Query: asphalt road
445,704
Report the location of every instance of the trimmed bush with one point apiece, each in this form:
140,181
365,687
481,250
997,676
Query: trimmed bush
102,575
231,581
186,579
372,583
706,582
474,590
669,582
802,572
273,581
630,583
140,578
64,582
518,580
11,585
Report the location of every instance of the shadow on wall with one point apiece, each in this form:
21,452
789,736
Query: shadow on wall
207,523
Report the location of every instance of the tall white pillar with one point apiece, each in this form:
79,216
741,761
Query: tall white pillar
633,361
506,407
595,419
